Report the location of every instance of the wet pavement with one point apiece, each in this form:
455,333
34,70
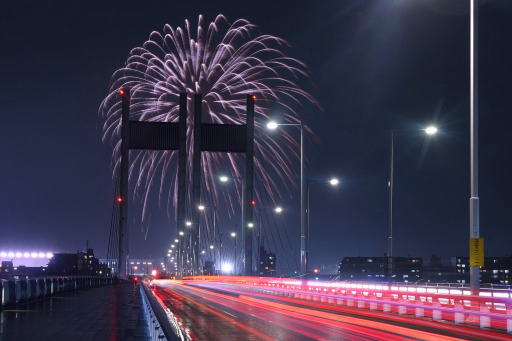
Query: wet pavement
213,311
111,312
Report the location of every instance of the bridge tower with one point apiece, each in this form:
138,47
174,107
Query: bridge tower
207,137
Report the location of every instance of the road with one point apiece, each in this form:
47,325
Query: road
215,311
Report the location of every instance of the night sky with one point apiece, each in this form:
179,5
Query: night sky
375,65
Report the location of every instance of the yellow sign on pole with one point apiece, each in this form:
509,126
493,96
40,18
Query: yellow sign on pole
476,252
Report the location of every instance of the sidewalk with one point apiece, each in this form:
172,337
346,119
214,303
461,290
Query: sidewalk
112,312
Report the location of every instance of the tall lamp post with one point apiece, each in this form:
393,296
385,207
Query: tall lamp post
429,131
334,182
474,204
272,125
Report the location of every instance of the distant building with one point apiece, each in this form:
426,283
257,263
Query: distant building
6,269
496,270
267,266
439,271
404,269
140,267
73,264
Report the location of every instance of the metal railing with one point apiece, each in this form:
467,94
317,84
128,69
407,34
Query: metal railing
14,291
162,324
486,308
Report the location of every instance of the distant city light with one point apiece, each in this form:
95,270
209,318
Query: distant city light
153,273
25,254
226,267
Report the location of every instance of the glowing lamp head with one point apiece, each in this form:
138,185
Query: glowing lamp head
188,223
203,252
211,247
153,273
122,92
201,207
431,130
233,234
253,97
334,182
176,240
223,178
253,202
181,233
278,209
316,271
250,225
272,125
119,200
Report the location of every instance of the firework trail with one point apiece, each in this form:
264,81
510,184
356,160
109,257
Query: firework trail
224,62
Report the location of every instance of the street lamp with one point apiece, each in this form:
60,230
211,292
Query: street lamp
201,207
474,201
429,131
176,240
181,233
223,178
278,210
250,225
273,125
333,182
188,223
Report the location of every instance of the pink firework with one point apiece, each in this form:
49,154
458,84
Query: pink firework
224,62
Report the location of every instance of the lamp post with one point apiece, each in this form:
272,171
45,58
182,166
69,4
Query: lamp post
474,203
273,125
235,263
334,182
429,131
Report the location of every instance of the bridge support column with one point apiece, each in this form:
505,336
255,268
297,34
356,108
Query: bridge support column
196,183
182,178
248,191
122,200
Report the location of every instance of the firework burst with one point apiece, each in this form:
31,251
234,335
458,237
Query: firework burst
224,62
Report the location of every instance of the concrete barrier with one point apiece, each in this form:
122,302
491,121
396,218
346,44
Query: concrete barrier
16,290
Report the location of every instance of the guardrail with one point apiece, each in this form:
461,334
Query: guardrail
14,291
162,323
486,308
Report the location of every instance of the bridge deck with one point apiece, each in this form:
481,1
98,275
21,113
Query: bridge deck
106,313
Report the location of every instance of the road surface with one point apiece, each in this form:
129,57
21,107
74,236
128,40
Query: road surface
215,311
